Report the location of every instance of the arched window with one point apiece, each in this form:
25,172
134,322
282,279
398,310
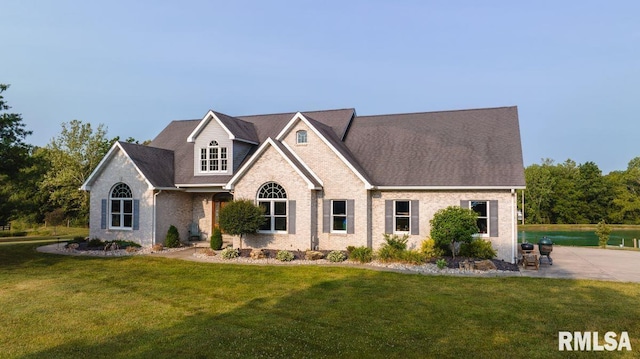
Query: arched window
301,137
273,199
121,207
213,158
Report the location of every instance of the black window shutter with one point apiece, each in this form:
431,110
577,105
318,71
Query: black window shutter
136,214
326,216
493,219
415,217
388,216
350,216
292,217
103,215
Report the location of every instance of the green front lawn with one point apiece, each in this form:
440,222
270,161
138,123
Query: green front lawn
54,306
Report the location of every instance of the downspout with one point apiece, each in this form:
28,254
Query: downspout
153,227
514,233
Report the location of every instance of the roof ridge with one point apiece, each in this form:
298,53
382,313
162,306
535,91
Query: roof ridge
442,111
294,112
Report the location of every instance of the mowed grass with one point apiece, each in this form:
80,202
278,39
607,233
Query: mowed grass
54,306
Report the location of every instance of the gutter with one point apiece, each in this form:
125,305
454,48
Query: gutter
445,188
514,231
153,227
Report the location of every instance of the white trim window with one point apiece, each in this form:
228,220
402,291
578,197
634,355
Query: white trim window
402,216
482,210
273,199
301,137
213,158
121,207
339,216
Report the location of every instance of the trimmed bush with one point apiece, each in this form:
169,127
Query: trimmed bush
284,256
216,239
336,256
361,254
95,242
478,248
429,249
173,238
230,253
441,263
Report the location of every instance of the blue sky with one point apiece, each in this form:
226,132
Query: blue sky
571,67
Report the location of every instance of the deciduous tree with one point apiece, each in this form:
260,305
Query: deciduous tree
73,155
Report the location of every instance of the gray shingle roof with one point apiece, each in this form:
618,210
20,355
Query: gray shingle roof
242,130
156,164
449,148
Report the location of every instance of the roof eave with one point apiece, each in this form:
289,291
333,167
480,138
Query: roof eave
445,188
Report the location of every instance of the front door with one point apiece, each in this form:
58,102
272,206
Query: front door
219,201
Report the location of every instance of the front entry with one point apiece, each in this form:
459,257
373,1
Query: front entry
219,201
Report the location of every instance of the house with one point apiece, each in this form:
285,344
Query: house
326,179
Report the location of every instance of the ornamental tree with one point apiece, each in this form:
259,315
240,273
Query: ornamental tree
452,225
241,217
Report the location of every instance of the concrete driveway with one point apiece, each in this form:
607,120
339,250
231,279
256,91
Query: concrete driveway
589,263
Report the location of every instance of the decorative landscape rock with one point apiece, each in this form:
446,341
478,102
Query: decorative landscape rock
466,265
313,255
131,249
157,247
485,265
258,254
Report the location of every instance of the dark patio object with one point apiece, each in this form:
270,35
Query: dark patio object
545,247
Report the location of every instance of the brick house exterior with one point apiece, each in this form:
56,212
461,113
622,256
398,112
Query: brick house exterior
326,179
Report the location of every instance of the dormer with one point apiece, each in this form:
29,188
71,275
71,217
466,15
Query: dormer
219,141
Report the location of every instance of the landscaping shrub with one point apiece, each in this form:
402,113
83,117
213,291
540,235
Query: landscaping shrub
126,244
441,263
386,253
478,248
78,239
284,256
429,249
412,257
395,250
230,253
395,242
173,238
361,254
349,250
336,256
453,225
95,242
216,239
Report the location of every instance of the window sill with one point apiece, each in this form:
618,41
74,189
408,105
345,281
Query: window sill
125,229
272,232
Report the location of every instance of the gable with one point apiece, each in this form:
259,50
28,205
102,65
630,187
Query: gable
234,128
328,137
112,166
286,158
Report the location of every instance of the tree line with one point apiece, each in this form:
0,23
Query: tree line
570,193
41,184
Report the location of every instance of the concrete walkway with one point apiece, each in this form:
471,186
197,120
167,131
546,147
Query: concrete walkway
568,263
589,263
